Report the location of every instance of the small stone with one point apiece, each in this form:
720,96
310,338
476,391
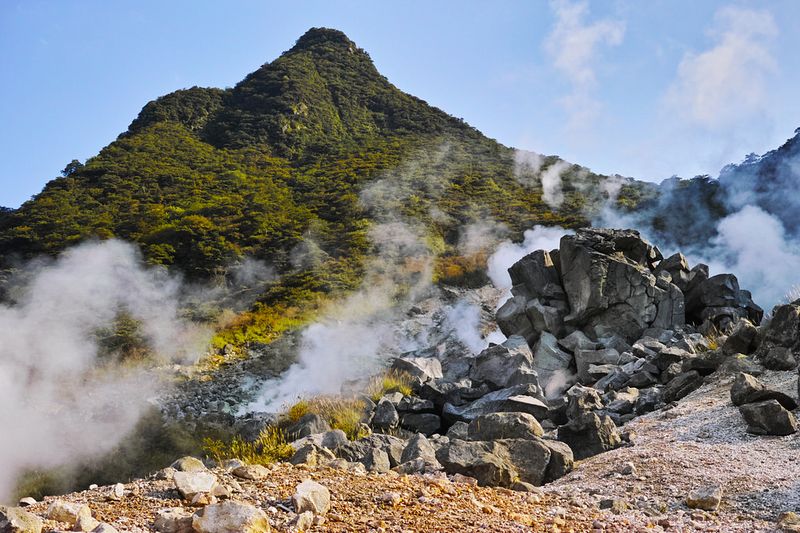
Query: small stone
789,521
117,492
189,464
67,512
302,522
85,523
466,480
190,484
311,496
706,498
222,492
165,474
229,516
614,505
251,472
628,469
201,499
105,528
17,520
391,498
27,501
173,520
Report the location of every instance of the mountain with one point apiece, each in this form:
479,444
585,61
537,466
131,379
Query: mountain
205,177
310,152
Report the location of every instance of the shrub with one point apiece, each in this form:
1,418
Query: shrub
391,381
271,446
298,411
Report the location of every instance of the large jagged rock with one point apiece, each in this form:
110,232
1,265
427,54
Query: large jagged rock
747,389
551,364
527,398
504,426
768,418
607,275
677,267
498,364
16,520
719,302
781,338
590,435
498,462
512,319
423,368
742,338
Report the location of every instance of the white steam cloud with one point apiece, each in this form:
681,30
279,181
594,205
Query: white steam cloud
58,402
465,320
508,253
357,335
753,245
552,193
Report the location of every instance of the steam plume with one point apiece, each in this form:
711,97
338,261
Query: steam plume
58,402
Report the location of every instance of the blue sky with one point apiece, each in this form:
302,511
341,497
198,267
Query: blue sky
644,89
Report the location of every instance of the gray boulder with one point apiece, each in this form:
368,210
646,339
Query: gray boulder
459,430
582,400
419,447
577,340
309,424
742,338
311,496
585,358
427,423
512,319
385,416
648,400
561,460
682,385
17,520
551,364
607,277
768,418
677,267
536,276
495,426
497,364
545,318
376,460
778,358
423,368
747,389
719,302
523,398
497,463
589,435
230,516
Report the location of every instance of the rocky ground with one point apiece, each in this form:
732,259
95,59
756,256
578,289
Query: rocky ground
700,442
566,426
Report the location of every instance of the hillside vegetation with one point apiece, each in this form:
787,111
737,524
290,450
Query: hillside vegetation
278,165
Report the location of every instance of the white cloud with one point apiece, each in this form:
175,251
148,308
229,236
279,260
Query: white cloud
720,86
574,46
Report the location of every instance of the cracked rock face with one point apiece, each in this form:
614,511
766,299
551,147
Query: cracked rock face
610,286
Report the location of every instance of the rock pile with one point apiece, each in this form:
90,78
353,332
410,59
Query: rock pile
597,335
